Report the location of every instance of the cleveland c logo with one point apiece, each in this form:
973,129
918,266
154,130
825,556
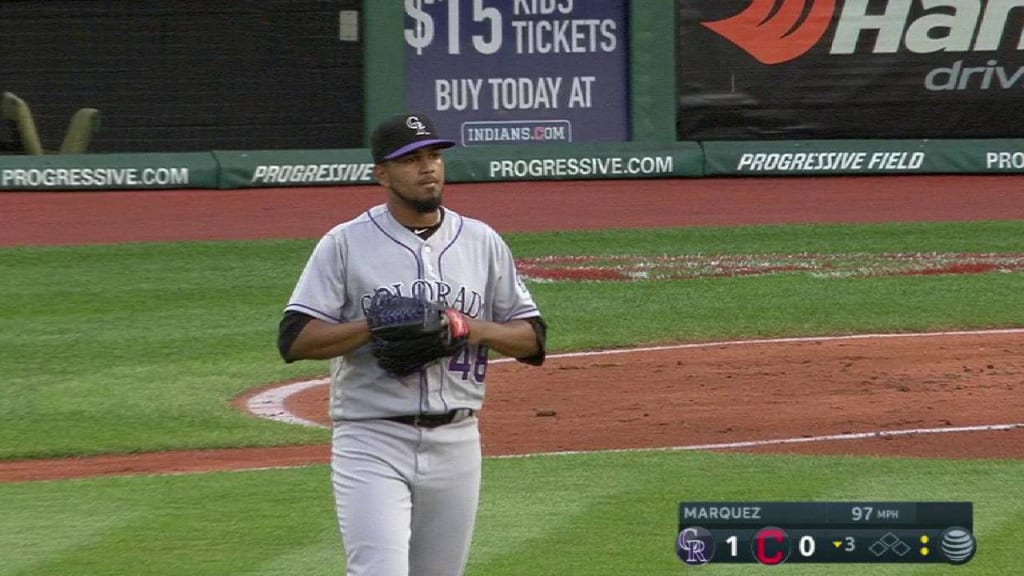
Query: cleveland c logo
775,36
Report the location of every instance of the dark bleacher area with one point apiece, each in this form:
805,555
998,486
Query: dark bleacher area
185,76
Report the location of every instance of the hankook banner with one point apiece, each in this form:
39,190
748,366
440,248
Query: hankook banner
805,69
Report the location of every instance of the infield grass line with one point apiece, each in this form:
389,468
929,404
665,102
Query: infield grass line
271,403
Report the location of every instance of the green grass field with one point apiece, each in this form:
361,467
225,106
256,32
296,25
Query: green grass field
141,347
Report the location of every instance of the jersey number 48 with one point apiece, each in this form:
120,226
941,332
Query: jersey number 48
470,360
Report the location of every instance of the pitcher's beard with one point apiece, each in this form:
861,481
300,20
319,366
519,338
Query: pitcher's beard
421,205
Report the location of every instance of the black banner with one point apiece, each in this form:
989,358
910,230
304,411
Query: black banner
809,69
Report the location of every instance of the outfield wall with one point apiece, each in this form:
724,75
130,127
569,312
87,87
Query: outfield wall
256,169
569,90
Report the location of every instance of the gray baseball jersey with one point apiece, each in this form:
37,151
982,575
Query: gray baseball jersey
465,264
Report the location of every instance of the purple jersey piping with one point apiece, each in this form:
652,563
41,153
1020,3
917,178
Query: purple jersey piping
419,263
521,315
424,385
440,272
315,312
458,233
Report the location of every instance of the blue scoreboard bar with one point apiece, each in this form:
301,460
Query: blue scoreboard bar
773,533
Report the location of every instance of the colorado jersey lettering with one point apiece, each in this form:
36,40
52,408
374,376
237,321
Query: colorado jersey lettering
465,264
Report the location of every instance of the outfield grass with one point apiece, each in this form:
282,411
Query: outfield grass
583,514
132,348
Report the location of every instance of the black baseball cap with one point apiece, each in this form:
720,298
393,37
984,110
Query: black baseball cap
404,133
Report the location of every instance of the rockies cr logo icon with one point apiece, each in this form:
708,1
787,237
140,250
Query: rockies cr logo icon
776,36
695,546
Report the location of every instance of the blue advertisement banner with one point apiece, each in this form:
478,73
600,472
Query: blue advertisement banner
492,72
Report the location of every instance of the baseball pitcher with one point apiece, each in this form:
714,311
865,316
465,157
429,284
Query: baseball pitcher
407,300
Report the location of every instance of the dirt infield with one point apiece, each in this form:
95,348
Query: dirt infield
726,396
907,395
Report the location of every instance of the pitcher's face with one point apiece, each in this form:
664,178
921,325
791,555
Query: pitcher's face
417,179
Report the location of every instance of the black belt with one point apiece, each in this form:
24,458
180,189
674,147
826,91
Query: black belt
433,420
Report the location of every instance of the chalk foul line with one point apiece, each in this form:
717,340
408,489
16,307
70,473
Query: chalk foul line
800,440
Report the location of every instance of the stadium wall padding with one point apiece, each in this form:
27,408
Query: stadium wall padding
632,160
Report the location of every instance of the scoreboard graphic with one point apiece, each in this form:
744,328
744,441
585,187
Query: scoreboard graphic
773,533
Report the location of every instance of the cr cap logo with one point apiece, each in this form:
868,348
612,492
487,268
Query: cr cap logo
774,36
414,123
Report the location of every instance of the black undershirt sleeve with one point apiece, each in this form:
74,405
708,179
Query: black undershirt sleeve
293,322
288,330
540,327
